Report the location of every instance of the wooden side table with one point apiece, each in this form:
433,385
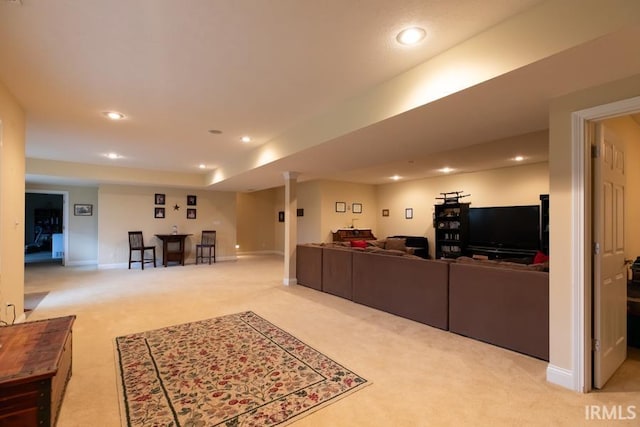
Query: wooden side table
35,366
172,247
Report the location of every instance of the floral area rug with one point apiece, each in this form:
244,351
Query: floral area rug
235,370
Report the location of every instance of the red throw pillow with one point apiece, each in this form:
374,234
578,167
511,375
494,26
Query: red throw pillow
540,258
358,244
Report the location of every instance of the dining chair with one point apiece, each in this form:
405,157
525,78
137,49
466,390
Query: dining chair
136,243
207,241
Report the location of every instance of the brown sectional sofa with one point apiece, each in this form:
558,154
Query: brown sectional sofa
502,304
337,271
309,266
412,288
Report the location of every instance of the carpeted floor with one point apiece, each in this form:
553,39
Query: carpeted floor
234,370
420,376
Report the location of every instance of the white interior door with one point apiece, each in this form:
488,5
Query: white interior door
610,277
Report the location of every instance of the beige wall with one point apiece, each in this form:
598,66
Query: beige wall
335,191
82,231
12,170
561,343
257,216
125,208
518,185
258,213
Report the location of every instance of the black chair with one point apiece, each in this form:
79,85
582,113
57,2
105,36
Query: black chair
136,243
207,241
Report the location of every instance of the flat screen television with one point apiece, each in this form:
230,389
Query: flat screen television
506,227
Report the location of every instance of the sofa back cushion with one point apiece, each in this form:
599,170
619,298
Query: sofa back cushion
398,244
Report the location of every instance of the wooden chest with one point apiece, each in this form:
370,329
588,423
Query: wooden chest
35,366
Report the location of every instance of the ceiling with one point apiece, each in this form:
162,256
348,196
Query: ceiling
261,68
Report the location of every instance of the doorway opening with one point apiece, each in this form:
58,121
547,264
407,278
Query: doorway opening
585,303
44,228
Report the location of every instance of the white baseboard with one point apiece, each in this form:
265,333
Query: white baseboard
81,263
269,252
290,281
560,376
188,261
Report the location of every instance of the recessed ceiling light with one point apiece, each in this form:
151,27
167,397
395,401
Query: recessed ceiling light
446,169
202,166
246,139
410,36
113,156
215,131
396,177
113,115
518,158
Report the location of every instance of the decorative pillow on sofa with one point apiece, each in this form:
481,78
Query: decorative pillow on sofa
396,244
358,244
540,258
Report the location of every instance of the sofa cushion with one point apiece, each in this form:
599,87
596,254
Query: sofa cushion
396,243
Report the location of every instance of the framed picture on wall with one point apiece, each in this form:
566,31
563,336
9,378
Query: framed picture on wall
385,212
341,207
158,213
159,199
192,200
300,212
408,213
82,210
356,208
191,213
281,216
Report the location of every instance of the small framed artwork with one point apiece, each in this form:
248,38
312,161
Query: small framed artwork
82,210
191,213
356,208
281,216
300,212
408,213
158,213
341,207
192,200
160,199
385,212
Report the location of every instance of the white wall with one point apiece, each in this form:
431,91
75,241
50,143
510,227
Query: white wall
128,208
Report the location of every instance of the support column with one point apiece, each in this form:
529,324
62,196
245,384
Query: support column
290,227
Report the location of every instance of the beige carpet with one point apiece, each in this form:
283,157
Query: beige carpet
421,376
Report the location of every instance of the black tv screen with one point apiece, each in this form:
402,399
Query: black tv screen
508,227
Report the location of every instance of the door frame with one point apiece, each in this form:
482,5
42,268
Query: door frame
582,236
65,217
